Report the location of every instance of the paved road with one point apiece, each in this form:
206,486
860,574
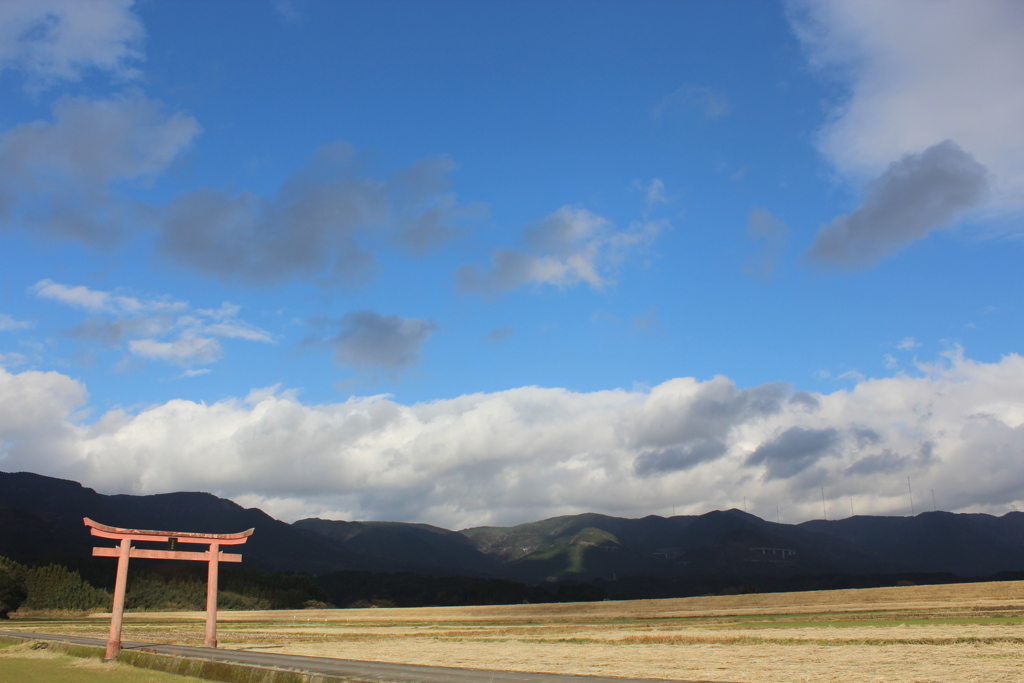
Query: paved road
370,671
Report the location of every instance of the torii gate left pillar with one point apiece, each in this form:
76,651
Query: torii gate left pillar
213,556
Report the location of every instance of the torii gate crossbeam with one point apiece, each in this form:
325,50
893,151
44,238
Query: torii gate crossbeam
213,555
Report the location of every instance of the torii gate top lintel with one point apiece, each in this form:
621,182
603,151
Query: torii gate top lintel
104,531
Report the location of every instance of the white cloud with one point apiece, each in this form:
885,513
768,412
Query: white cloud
288,11
79,297
318,223
794,451
144,321
773,234
572,246
12,359
647,321
70,179
955,425
184,350
35,413
238,329
368,339
58,40
501,334
712,103
9,323
918,73
917,194
226,310
96,301
61,176
908,343
654,193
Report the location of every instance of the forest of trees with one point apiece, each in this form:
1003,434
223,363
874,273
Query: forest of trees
56,588
52,587
173,587
154,586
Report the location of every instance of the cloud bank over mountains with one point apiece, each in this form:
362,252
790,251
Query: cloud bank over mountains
956,426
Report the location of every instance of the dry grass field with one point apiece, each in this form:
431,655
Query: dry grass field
916,634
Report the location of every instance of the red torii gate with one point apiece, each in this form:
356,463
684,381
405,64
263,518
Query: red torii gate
213,555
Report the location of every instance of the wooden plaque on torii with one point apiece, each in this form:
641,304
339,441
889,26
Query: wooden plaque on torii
124,551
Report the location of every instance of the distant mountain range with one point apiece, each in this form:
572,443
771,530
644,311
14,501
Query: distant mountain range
41,520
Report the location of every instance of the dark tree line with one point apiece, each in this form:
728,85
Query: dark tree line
55,587
155,586
377,589
52,587
12,586
183,587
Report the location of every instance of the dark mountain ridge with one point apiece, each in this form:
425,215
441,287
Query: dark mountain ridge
41,503
422,548
41,520
729,542
963,544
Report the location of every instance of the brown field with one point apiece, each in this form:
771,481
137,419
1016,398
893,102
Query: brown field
914,634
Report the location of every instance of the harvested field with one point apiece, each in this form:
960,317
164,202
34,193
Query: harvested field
914,634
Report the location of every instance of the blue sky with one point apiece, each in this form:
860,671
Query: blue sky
471,263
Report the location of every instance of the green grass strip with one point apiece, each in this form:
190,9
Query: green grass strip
164,664
15,669
221,671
